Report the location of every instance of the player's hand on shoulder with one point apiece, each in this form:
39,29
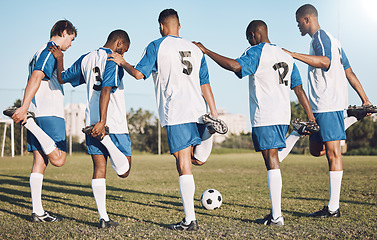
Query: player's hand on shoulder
200,46
116,57
55,50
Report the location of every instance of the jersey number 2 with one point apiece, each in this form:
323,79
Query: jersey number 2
285,67
187,69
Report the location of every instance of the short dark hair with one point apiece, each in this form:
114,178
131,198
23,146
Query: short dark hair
118,34
60,26
167,13
254,25
307,9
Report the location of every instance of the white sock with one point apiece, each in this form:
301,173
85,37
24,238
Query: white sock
202,151
36,180
47,144
99,192
119,161
349,121
335,178
187,189
274,186
290,141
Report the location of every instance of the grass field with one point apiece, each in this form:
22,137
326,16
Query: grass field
148,200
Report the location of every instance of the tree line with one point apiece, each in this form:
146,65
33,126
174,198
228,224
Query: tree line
144,127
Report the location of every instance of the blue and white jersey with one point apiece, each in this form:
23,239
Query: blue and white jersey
94,70
179,69
49,98
272,74
328,91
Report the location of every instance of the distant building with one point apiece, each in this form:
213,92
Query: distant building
74,115
237,123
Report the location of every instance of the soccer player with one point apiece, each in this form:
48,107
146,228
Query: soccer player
105,114
329,71
272,73
44,100
182,88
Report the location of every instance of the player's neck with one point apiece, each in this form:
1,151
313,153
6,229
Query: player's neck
57,40
314,29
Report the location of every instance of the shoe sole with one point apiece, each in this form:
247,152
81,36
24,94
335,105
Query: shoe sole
216,124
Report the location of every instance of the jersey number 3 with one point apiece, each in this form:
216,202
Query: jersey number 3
187,68
98,84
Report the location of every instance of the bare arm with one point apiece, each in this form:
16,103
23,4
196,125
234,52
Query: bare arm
99,128
224,62
356,85
303,99
119,60
31,89
58,55
314,61
208,96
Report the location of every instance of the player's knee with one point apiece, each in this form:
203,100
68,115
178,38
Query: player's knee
124,175
58,162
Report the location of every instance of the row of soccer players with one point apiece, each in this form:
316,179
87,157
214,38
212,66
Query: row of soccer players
183,92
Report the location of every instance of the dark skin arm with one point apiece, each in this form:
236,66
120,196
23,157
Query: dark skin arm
304,101
356,85
99,127
58,55
119,60
224,62
314,61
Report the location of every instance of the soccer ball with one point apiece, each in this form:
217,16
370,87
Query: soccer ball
211,199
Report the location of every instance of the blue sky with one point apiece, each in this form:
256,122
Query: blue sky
219,25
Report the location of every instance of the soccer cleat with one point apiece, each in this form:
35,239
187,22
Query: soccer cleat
11,110
181,226
360,111
214,124
325,212
46,217
305,127
268,220
87,130
107,224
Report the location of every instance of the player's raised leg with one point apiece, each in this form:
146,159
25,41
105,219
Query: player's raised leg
202,151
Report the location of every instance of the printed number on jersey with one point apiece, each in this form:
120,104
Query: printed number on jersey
98,84
187,66
284,66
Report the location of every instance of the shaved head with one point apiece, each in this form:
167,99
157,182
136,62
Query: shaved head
306,10
168,15
256,26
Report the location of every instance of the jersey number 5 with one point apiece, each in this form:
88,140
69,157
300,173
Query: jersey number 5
285,67
98,84
187,69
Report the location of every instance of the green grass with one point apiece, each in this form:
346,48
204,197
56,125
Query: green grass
148,200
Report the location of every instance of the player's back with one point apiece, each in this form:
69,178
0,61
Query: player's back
270,87
177,81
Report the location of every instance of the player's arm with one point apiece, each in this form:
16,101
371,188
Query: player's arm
208,96
356,85
224,62
304,101
99,127
119,60
58,55
31,89
312,60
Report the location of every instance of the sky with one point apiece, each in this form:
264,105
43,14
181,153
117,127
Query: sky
220,25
